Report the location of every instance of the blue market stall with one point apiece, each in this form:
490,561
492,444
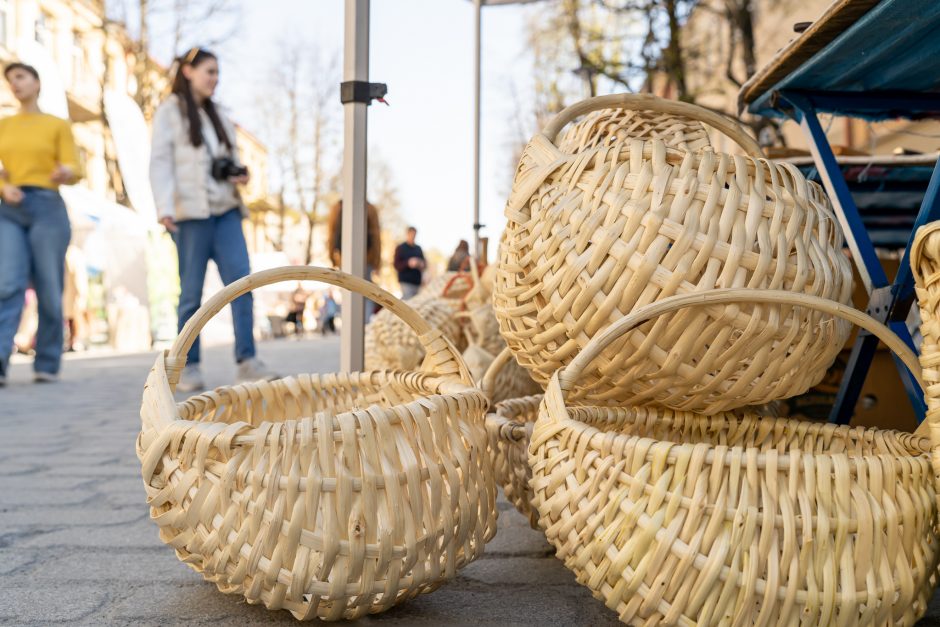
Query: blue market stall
876,60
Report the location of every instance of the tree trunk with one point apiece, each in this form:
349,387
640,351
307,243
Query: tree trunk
142,61
673,62
282,214
317,181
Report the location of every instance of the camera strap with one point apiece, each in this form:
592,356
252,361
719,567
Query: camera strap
205,139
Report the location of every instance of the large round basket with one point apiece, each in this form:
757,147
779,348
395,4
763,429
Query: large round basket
593,234
331,496
673,518
508,429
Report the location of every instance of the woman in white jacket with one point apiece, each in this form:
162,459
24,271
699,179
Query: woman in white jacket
194,170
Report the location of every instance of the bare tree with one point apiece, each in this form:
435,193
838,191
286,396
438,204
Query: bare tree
302,123
190,17
619,44
212,21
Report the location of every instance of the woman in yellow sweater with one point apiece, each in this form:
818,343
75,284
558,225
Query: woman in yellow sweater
38,154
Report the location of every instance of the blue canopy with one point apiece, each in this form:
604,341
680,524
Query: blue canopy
862,58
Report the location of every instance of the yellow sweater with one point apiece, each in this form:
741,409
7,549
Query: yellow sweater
32,145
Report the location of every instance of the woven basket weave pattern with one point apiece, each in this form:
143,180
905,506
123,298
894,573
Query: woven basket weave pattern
390,344
613,126
925,265
681,519
595,234
331,496
676,518
508,429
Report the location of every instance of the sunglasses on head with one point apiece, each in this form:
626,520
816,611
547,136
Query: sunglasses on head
191,55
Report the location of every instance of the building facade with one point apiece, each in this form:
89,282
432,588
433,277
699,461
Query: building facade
81,57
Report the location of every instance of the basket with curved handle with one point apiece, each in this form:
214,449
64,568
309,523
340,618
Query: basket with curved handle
461,275
594,233
630,492
645,102
331,482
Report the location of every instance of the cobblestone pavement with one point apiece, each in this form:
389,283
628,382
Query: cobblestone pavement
77,545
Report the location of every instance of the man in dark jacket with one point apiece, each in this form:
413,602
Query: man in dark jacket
410,263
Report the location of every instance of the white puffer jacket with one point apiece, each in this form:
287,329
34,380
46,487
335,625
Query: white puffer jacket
178,170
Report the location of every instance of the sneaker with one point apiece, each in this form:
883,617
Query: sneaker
190,379
45,377
253,369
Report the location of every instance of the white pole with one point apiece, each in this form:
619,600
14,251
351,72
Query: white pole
478,9
355,68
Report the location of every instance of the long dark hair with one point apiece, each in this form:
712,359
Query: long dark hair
187,102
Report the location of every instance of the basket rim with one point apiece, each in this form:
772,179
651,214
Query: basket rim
438,387
771,171
737,452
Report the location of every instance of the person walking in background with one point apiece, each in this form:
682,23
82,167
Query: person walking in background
328,313
410,264
460,255
298,305
194,170
373,243
38,154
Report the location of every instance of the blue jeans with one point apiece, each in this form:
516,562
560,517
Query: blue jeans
34,236
221,239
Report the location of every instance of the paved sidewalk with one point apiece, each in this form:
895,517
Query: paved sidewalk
77,545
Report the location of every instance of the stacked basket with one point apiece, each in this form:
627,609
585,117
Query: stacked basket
657,288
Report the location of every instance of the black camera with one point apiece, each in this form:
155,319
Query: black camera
224,168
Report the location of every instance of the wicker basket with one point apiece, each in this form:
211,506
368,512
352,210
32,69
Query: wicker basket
508,429
331,496
673,518
592,235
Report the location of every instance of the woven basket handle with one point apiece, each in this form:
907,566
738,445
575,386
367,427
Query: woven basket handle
646,102
447,359
467,271
488,384
925,266
735,295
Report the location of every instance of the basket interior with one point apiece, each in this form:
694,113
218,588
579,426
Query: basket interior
303,396
749,431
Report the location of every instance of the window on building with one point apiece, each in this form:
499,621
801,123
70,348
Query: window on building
45,32
79,59
4,22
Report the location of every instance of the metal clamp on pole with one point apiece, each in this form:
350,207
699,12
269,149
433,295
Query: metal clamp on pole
362,91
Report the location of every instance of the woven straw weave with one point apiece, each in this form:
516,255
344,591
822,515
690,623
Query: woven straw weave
925,266
485,343
390,344
508,429
615,126
331,496
673,518
592,235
